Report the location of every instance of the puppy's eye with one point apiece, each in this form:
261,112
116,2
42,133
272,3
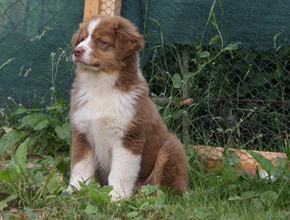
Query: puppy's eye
100,42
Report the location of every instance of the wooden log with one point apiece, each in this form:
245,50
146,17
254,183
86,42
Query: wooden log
212,154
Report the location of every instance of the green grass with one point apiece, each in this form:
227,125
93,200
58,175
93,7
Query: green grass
32,187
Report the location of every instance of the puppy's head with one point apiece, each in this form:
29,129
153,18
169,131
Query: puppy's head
103,43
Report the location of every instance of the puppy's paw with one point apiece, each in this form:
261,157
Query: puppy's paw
115,196
69,190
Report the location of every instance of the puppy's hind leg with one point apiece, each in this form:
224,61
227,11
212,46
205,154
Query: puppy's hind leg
171,166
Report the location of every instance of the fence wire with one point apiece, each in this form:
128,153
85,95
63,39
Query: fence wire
217,79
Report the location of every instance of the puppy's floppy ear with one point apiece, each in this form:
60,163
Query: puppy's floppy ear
75,40
127,41
79,36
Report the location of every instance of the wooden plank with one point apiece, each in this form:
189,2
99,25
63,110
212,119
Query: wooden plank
92,7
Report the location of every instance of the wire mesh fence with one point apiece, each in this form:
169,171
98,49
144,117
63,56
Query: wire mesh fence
32,33
218,71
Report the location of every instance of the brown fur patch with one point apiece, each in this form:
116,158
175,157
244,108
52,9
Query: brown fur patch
80,146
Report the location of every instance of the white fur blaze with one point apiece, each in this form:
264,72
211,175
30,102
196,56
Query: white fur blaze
124,172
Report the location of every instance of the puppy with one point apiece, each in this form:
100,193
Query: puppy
118,135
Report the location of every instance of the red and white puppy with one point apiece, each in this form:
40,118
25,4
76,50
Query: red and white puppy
118,135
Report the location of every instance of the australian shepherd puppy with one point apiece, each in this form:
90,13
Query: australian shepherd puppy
118,135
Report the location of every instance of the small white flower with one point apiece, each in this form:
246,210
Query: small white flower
181,81
166,72
20,105
9,98
184,112
213,63
260,135
51,98
63,51
152,94
212,131
162,94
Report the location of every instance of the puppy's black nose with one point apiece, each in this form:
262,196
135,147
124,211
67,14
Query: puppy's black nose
78,51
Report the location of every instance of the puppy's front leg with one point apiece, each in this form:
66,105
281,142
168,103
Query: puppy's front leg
82,161
82,171
124,172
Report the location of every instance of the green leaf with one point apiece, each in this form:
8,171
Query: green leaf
132,214
166,112
213,21
202,213
228,172
278,73
18,111
20,155
204,54
177,114
257,203
214,40
220,130
30,212
147,190
4,176
232,47
248,194
11,197
176,81
268,197
64,132
91,209
67,126
35,120
177,99
41,125
4,204
63,166
52,181
281,162
264,162
230,157
10,138
12,173
287,153
233,198
144,205
39,178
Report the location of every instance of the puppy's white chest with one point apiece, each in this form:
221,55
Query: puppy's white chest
100,103
102,114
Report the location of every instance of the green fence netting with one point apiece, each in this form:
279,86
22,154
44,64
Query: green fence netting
31,33
228,59
240,95
254,23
